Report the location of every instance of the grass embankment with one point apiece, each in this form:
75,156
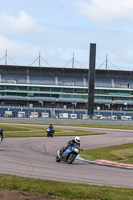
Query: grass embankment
119,153
126,127
33,131
65,190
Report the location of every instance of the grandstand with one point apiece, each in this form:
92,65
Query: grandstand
54,87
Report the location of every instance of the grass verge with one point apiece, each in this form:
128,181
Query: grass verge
64,190
126,127
32,131
119,153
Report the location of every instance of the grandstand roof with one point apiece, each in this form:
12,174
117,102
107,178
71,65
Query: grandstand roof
63,71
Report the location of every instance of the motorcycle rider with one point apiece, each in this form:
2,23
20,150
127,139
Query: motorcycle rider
73,142
51,126
1,134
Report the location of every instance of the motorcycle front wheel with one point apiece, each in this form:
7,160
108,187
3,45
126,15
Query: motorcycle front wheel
48,134
71,158
57,159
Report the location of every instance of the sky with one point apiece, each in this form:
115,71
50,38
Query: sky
60,30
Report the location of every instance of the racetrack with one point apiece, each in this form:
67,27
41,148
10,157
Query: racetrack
35,158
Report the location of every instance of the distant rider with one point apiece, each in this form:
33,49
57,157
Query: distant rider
1,134
71,143
51,126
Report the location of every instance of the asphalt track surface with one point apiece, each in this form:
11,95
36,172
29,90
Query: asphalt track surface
35,158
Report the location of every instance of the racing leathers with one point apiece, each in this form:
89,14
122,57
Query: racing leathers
1,134
69,144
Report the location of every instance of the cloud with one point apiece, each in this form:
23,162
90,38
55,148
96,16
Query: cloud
105,10
18,51
22,24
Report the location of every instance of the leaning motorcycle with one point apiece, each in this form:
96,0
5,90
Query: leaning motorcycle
68,155
50,132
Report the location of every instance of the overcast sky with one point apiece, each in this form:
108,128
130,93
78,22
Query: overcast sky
59,28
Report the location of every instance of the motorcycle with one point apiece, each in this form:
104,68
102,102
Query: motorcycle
68,155
50,132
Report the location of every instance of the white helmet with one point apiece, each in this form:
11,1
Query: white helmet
77,139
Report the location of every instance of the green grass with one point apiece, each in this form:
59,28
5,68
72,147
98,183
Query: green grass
33,131
126,127
65,190
119,153
30,131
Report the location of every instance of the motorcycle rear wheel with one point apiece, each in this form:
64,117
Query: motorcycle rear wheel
71,158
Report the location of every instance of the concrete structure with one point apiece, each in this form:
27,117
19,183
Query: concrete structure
64,88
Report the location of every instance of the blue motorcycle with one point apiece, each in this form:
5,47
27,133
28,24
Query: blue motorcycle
50,132
68,155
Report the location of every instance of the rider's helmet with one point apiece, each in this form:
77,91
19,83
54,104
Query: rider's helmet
77,139
50,124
